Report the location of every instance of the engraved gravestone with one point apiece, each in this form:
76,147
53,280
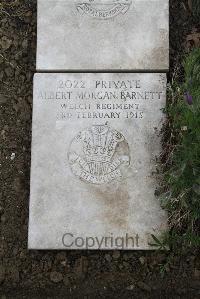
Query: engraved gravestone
102,35
94,150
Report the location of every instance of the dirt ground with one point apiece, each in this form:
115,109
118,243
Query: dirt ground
63,274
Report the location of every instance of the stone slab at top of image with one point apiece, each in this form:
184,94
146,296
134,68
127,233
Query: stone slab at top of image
95,140
103,35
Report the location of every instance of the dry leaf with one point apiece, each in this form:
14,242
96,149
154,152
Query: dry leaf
193,40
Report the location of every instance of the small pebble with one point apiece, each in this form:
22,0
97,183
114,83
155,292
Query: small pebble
131,287
108,257
116,255
56,277
142,260
12,157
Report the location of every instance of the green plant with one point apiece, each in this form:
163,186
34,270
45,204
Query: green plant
161,243
182,156
196,8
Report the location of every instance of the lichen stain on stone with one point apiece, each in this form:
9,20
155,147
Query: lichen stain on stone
115,199
156,57
159,55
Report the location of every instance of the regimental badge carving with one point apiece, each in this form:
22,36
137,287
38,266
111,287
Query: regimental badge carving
99,155
103,9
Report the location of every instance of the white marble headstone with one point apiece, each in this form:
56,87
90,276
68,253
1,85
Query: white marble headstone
95,140
102,35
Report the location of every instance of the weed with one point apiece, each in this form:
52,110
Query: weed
182,156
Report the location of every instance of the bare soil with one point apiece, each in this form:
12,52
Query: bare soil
63,274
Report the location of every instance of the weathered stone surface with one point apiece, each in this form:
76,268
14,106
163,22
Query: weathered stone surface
95,142
102,35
